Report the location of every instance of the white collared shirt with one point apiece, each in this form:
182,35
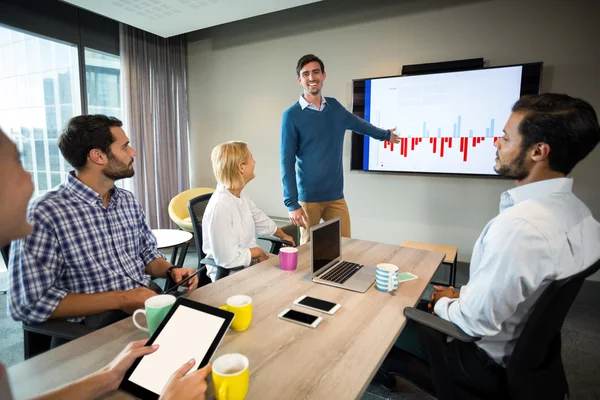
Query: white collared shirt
229,228
543,233
304,103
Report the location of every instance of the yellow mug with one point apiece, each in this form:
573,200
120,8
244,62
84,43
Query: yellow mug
241,306
230,374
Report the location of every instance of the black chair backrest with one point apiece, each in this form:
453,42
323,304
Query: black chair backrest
538,346
197,206
5,253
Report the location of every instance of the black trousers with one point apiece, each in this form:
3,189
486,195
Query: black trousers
470,366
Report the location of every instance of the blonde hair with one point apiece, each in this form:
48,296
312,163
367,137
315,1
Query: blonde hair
226,159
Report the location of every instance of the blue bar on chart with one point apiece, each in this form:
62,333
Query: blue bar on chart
492,128
425,131
470,132
454,131
439,132
487,132
458,127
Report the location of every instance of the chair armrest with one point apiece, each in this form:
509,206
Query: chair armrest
275,239
208,261
60,329
438,324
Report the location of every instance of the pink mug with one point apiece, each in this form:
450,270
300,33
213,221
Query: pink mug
288,258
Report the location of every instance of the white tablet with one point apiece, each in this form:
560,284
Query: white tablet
190,330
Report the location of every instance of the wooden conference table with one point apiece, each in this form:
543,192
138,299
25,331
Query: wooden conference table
338,359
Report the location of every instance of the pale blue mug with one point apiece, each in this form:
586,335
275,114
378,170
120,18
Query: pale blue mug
386,277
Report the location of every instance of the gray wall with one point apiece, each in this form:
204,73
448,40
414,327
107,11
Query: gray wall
242,77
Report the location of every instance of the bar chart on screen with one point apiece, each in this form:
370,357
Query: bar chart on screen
446,124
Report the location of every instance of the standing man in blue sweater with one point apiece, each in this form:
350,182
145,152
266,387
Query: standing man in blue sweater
312,134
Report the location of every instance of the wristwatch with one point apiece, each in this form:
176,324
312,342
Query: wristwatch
169,271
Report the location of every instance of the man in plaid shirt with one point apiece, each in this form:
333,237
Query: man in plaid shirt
91,249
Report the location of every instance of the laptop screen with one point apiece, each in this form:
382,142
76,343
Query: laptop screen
325,245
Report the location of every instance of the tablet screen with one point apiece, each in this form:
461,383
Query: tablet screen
189,333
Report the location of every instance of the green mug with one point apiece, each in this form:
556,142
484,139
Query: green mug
156,308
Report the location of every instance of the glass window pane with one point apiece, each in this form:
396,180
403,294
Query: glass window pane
40,91
51,123
27,155
57,179
103,81
54,156
40,155
42,181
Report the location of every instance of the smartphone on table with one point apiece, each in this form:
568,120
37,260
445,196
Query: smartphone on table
300,318
313,303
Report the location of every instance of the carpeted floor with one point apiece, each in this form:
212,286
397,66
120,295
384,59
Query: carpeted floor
581,344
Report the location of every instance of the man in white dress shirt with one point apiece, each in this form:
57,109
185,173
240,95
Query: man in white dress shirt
542,233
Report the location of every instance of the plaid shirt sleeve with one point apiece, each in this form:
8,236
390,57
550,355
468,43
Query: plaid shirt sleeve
148,250
34,267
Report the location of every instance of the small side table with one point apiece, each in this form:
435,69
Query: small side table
176,239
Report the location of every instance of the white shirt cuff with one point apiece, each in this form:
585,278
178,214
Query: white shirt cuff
442,307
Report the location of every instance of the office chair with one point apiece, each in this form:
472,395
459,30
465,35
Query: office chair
197,206
5,252
535,369
178,207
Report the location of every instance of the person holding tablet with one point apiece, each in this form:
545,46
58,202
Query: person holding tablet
231,220
16,189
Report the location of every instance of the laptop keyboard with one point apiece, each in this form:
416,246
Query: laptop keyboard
341,272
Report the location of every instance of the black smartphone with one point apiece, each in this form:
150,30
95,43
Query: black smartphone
317,304
297,317
183,281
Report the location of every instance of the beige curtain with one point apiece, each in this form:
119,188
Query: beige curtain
156,118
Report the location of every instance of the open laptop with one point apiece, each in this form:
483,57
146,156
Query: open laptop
326,262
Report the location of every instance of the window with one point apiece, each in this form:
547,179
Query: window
103,82
39,82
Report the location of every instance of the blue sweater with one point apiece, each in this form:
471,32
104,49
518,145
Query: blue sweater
315,140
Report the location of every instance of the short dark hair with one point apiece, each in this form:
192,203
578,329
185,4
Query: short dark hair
308,59
568,125
85,133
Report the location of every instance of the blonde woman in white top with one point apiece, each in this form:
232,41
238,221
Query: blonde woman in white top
231,220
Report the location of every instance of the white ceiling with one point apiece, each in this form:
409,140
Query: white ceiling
173,17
